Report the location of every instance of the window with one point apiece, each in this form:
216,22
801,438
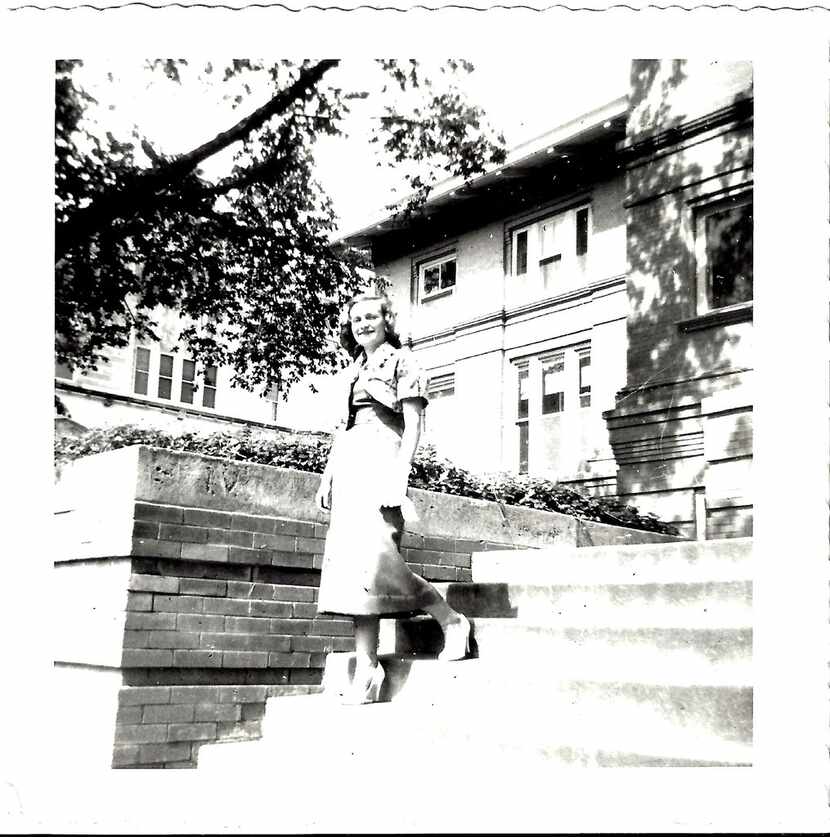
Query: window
551,392
440,417
522,415
441,386
723,250
165,389
272,395
63,370
437,277
209,387
584,378
141,375
553,384
554,249
582,231
521,252
188,379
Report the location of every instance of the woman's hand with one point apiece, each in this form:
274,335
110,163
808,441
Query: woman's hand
393,493
323,496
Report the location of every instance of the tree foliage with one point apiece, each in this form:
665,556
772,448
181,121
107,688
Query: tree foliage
247,258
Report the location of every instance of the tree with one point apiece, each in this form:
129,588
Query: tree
246,258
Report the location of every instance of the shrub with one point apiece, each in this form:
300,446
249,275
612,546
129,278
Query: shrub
309,453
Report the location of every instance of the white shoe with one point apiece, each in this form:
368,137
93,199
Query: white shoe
365,693
456,640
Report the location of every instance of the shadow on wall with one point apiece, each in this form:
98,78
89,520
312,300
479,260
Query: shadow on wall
667,182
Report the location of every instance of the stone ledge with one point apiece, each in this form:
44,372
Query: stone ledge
719,317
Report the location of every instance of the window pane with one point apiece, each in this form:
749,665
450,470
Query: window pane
582,232
166,366
524,445
729,256
523,393
521,253
553,403
210,376
165,387
188,370
448,274
209,397
187,393
140,383
142,359
431,278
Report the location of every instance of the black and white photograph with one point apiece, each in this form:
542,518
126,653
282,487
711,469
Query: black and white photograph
414,449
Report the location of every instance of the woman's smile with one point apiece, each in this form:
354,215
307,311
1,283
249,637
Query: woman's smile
368,324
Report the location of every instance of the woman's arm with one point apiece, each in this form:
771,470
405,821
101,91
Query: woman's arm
413,412
395,493
323,496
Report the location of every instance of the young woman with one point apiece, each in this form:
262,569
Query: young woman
364,484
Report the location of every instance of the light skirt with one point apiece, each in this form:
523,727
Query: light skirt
363,570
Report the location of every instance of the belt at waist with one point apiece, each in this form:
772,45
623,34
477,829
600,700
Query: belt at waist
376,413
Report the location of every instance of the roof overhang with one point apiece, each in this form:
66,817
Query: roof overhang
603,125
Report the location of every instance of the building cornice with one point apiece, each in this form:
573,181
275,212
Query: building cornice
737,112
505,315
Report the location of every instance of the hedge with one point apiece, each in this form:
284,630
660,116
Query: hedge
309,453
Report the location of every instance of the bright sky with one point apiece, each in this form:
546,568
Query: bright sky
522,98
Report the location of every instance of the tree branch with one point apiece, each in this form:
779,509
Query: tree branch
145,187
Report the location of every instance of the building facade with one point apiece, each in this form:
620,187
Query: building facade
157,384
585,311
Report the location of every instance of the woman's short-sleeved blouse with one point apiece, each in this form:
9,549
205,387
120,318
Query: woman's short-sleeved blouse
389,376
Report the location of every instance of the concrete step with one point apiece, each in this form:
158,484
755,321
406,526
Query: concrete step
671,656
725,604
577,724
686,561
535,707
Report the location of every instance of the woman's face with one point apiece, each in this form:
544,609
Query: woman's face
368,325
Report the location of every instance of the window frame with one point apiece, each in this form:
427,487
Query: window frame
702,210
557,357
188,382
522,421
207,387
169,378
583,391
536,260
533,366
138,370
436,261
528,230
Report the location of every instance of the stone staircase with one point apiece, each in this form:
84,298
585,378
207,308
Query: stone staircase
603,656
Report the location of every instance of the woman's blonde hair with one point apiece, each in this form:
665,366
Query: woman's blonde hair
347,340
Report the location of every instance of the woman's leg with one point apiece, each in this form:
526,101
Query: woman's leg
455,626
366,630
438,608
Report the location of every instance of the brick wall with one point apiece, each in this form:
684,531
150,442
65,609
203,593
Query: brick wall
689,140
163,726
216,595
